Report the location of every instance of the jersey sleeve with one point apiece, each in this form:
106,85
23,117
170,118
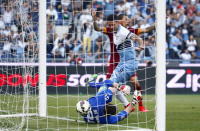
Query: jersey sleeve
104,96
135,31
95,85
116,118
107,30
107,83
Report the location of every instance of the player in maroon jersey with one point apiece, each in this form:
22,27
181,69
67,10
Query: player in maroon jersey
114,59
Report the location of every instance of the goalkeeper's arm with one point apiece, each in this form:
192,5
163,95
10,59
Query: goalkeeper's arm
112,119
107,83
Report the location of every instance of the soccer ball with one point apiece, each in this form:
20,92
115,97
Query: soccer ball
126,89
83,107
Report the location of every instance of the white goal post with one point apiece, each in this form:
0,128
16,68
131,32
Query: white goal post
161,65
42,59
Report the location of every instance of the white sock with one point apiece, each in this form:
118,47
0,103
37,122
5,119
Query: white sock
120,96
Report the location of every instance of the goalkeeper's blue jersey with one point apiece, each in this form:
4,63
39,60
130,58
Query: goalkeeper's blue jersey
97,112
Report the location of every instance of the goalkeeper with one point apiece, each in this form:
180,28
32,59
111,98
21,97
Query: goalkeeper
98,109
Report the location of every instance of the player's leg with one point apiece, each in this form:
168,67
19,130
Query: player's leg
136,98
113,90
121,97
118,77
113,63
130,70
135,82
110,68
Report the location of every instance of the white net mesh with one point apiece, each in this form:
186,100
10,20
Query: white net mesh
75,51
18,46
88,52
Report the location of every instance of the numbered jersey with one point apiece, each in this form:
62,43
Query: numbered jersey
97,112
98,102
124,44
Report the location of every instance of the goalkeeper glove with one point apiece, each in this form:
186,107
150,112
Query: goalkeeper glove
93,78
136,97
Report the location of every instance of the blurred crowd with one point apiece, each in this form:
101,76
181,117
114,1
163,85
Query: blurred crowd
18,30
80,42
183,25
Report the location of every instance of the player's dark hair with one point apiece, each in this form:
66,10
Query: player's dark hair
120,16
111,109
111,17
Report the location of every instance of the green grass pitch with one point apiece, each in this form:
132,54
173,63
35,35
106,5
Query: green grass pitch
183,114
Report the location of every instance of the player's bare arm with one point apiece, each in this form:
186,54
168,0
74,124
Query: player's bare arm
140,41
148,29
96,27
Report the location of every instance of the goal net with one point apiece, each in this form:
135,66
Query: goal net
38,93
19,74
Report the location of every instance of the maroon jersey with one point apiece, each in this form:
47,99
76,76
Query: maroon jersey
114,56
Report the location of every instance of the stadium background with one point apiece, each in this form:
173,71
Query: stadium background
68,20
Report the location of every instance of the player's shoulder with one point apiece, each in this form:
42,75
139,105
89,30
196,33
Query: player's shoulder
107,29
123,30
132,29
92,100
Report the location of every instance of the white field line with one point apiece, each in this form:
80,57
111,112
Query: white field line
80,121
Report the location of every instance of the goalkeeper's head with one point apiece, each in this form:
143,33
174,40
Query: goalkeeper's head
83,107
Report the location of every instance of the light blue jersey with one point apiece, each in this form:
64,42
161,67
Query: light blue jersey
128,64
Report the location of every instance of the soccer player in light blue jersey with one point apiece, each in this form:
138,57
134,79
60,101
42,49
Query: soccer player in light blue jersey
125,71
114,58
98,109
